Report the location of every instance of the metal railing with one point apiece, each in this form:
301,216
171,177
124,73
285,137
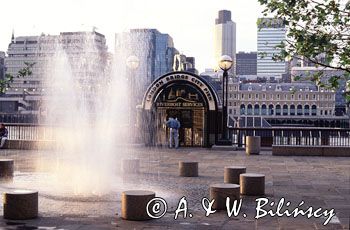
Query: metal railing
308,136
29,132
311,136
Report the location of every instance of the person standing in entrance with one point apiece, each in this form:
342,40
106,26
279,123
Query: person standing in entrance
174,126
3,135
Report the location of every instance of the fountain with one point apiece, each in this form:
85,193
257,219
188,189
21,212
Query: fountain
87,114
88,118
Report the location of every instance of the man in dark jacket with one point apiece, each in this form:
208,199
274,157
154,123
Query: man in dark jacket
3,135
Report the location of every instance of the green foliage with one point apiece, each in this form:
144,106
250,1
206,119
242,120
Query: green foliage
26,71
318,30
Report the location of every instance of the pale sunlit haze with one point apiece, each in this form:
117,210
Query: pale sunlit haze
190,23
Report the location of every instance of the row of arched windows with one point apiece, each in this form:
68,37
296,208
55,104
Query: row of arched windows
278,110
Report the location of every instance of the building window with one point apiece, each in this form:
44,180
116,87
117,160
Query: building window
321,112
285,97
242,96
307,110
292,110
314,110
249,96
234,96
230,104
314,96
234,103
242,109
234,112
230,111
292,96
278,110
326,112
299,96
278,96
271,111
285,110
299,110
264,96
307,96
249,109
256,96
263,109
256,109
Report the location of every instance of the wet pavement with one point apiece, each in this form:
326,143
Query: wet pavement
321,182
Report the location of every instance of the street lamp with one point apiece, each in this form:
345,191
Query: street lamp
132,62
225,64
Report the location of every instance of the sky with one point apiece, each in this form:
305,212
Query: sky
189,22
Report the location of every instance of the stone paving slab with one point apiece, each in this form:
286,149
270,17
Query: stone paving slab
318,181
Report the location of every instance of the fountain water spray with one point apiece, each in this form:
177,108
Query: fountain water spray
87,109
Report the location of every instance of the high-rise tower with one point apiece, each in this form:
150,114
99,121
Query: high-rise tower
271,32
225,37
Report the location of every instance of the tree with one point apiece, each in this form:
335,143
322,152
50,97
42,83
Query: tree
8,79
316,28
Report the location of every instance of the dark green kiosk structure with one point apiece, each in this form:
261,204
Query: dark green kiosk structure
190,99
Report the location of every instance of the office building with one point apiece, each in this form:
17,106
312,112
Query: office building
154,50
225,37
283,104
271,32
25,95
2,64
306,72
246,65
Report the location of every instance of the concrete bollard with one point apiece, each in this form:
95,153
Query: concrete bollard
252,144
188,168
231,174
20,204
220,192
6,169
252,184
134,204
131,166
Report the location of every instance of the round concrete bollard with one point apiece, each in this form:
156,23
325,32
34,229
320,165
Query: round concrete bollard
231,174
252,184
220,192
134,204
188,168
20,205
6,168
252,145
131,165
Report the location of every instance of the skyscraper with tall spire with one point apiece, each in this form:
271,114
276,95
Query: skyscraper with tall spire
225,37
13,36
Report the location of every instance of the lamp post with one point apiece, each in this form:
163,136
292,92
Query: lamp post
225,64
132,62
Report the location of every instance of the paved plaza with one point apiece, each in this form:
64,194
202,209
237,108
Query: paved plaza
318,181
